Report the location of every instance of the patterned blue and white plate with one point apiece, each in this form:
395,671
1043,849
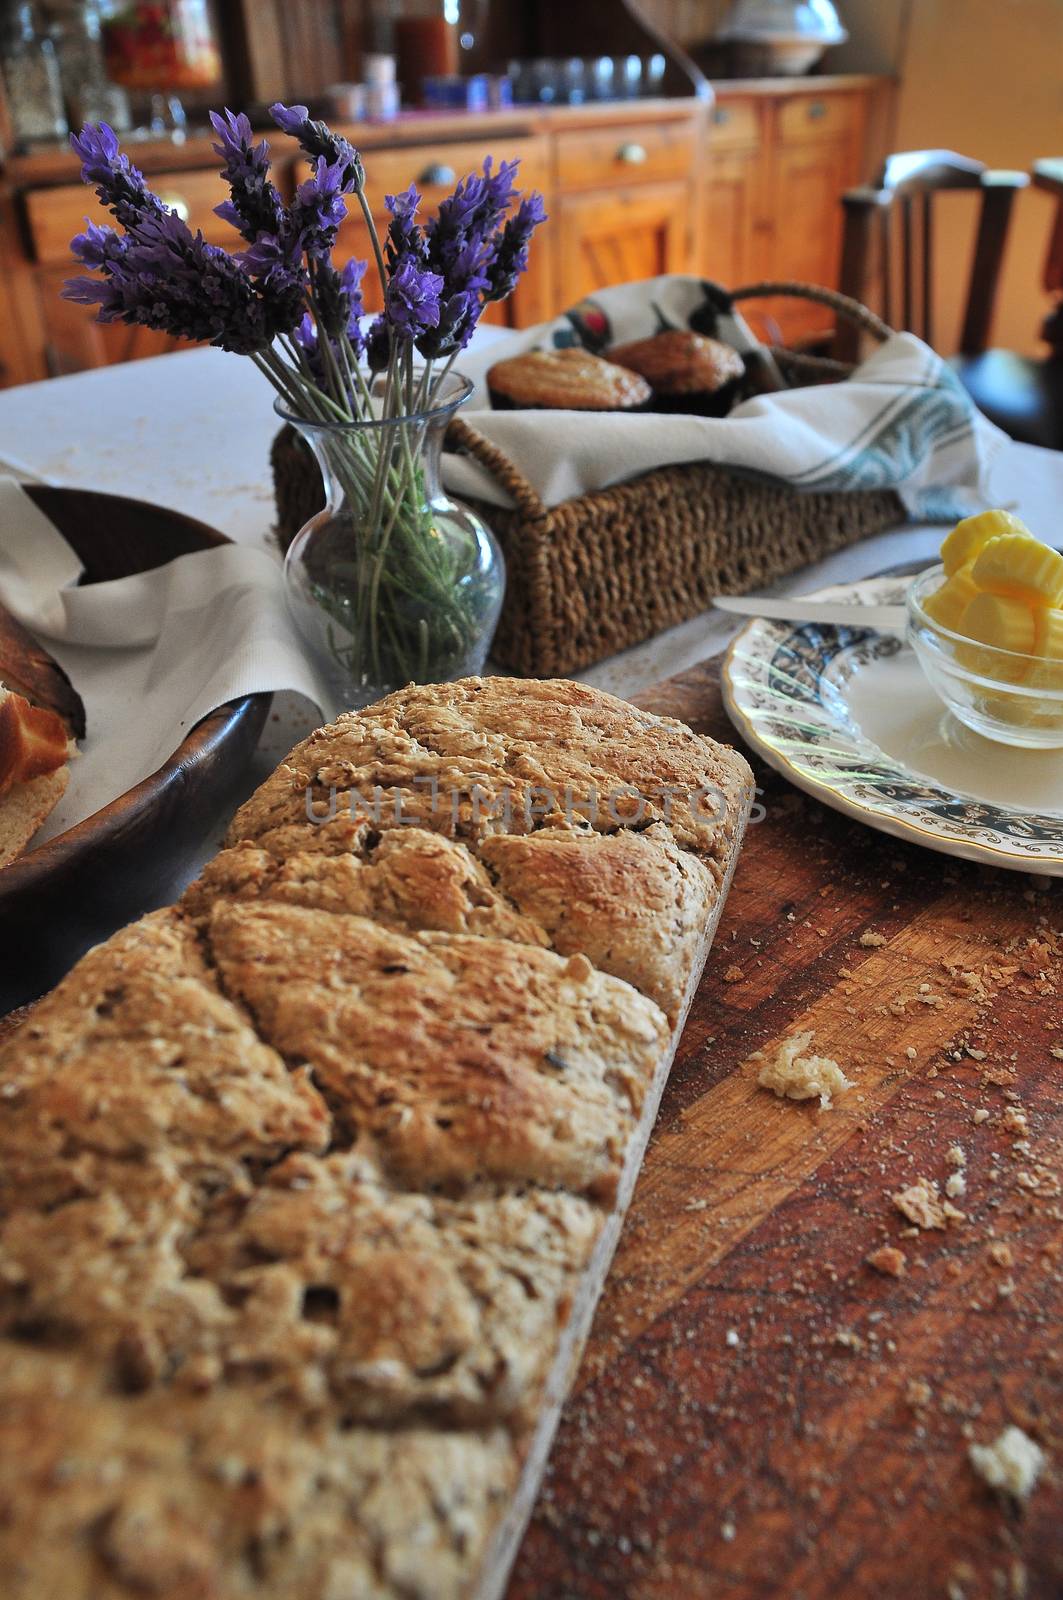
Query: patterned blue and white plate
846,715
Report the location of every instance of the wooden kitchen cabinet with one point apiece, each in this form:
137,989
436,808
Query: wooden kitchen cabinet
626,203
805,238
746,189
774,171
733,250
620,237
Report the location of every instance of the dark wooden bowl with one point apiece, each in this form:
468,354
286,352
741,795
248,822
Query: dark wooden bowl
60,898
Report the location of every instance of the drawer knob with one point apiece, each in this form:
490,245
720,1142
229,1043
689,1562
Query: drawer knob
174,203
632,155
817,111
437,172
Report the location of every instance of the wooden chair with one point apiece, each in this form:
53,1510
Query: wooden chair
1048,175
893,222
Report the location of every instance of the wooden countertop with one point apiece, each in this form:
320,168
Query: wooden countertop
782,88
51,164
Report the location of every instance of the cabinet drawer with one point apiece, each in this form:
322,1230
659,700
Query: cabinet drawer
55,215
435,169
733,124
817,116
639,153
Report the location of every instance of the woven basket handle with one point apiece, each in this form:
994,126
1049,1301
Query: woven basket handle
464,437
850,309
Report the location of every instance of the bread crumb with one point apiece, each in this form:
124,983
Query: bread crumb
980,1116
1057,1051
1014,1119
794,1076
847,1339
727,1531
918,1392
923,1206
955,1185
733,975
956,1156
732,1338
1011,1464
872,941
1000,1253
888,1260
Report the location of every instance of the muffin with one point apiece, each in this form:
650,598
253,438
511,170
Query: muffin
565,380
686,371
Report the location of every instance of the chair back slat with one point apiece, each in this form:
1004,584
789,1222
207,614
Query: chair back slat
904,198
926,209
885,222
907,267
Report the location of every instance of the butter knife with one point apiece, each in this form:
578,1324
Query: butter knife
832,613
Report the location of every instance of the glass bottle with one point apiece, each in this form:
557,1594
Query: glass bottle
161,45
31,77
89,94
162,48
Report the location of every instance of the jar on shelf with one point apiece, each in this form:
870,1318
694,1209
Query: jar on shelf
160,46
426,44
88,92
31,76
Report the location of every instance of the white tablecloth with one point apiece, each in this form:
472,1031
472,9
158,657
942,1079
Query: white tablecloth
192,430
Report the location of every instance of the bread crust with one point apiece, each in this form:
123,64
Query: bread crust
26,807
308,1185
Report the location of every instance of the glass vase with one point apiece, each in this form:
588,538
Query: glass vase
393,582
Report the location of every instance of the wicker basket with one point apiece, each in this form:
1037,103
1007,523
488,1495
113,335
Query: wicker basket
611,568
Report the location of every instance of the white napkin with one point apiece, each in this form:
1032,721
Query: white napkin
151,654
902,421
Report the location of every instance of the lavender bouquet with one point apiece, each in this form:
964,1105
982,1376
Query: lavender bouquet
392,582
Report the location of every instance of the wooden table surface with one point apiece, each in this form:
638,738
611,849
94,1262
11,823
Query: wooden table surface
759,1412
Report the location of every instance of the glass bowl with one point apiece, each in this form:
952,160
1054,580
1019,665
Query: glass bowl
1014,699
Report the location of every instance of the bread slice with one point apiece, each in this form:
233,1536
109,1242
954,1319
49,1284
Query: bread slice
25,804
28,669
25,808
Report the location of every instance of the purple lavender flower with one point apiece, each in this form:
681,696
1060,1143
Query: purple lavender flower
255,206
464,286
378,344
412,301
511,259
119,185
319,141
351,283
319,208
339,305
339,302
276,259
290,119
473,211
405,239
159,274
98,245
167,278
464,243
306,337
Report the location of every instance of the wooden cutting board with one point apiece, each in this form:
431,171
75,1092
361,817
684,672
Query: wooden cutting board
759,1412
